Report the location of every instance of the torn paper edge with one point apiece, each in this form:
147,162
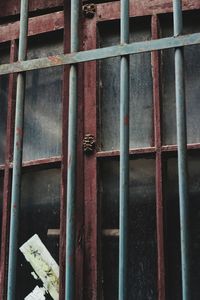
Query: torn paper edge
37,294
43,264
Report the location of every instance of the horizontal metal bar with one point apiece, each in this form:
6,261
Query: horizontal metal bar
102,53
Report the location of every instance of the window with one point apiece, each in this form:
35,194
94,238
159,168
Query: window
75,156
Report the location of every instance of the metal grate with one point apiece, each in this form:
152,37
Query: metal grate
178,41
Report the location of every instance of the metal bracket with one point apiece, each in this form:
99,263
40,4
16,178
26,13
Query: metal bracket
89,10
89,143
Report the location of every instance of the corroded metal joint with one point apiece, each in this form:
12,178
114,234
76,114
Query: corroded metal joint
89,10
89,143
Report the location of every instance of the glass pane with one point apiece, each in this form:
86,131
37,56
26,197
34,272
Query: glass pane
140,89
172,230
42,135
192,74
142,229
4,58
40,204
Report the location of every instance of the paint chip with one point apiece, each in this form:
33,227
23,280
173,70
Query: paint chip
34,276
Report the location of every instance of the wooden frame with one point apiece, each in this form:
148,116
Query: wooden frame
88,283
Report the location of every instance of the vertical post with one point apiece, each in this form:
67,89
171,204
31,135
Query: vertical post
124,154
182,151
7,174
17,158
71,174
155,59
65,112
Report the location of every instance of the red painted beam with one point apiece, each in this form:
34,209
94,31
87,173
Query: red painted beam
37,25
7,174
90,167
111,10
63,196
155,60
104,12
12,7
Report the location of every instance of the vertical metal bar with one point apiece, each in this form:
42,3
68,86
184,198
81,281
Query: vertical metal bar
65,106
71,174
124,154
182,151
7,173
17,159
155,57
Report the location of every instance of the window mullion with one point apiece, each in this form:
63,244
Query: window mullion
159,176
17,158
7,171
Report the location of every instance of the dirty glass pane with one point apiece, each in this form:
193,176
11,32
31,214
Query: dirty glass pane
1,201
172,230
142,229
140,89
42,135
4,58
40,205
192,74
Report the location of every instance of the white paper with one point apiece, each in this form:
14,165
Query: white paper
36,294
43,264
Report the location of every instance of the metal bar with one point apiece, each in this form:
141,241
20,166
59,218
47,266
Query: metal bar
124,154
7,174
104,12
65,112
36,25
17,160
139,7
71,174
182,151
101,53
111,10
155,57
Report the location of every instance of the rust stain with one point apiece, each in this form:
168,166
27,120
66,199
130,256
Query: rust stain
55,59
126,120
19,132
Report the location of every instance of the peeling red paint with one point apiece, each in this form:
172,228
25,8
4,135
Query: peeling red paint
55,59
126,120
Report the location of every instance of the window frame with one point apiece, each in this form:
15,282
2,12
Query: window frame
104,13
88,227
